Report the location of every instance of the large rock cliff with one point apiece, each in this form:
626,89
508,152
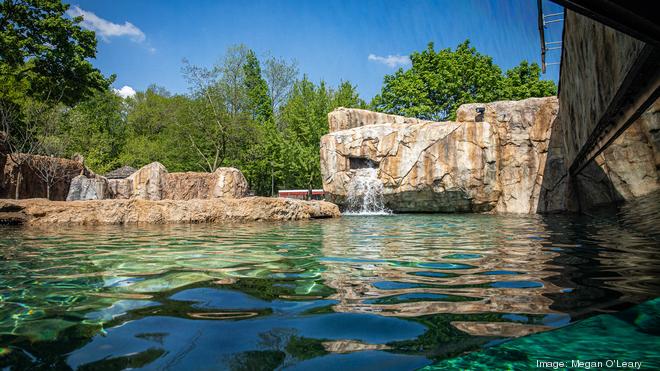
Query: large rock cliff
500,157
483,162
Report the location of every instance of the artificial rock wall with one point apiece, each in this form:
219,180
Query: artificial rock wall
153,182
595,62
480,163
511,159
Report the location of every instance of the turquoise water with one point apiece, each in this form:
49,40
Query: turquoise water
381,292
625,340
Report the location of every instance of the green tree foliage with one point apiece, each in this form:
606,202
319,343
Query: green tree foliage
306,117
156,122
523,81
439,82
259,102
96,128
219,123
43,54
44,70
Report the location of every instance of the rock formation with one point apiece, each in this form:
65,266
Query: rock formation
627,169
120,189
223,182
598,62
472,165
523,131
508,158
20,171
84,188
41,211
121,173
153,182
149,182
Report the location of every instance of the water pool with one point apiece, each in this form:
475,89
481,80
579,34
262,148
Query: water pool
359,292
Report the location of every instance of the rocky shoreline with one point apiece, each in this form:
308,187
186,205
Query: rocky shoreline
135,211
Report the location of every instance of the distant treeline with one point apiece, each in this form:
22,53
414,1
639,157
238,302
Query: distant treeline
258,115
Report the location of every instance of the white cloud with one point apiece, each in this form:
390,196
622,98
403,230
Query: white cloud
391,61
106,29
125,92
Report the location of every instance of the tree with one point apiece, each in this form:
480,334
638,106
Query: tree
156,123
439,82
19,136
43,65
259,102
42,51
219,121
523,81
280,76
96,129
347,96
51,142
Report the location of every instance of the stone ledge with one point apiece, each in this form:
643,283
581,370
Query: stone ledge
96,212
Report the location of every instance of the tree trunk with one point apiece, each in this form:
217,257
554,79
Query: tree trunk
309,191
272,181
48,191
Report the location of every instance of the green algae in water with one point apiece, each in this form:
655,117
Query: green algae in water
631,336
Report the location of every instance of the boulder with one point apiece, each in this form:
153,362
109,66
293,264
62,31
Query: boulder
154,182
149,182
84,188
523,130
349,118
189,186
121,173
489,162
223,182
229,182
121,188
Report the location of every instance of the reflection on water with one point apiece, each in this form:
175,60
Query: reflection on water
395,292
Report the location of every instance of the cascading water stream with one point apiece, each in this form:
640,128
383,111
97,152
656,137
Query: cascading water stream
365,194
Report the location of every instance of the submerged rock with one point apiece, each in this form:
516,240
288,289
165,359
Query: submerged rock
94,212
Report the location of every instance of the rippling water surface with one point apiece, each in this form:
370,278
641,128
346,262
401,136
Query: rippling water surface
377,292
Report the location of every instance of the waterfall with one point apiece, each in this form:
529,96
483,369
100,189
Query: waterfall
365,193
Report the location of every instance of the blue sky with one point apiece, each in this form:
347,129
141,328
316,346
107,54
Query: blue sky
143,42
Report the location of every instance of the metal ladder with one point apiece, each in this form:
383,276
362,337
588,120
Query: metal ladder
544,20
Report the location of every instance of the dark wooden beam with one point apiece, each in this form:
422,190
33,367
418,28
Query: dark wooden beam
636,18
